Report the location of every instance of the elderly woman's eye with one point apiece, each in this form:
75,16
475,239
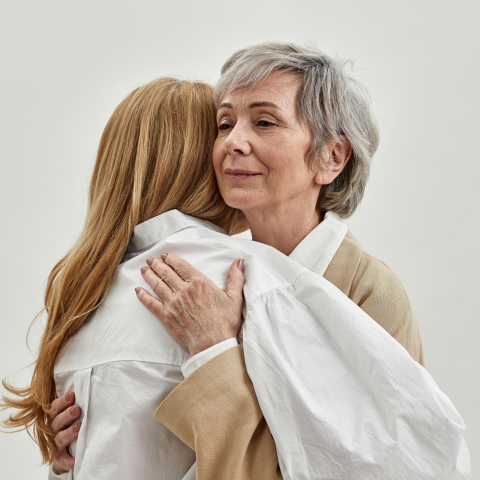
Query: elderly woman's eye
224,126
264,123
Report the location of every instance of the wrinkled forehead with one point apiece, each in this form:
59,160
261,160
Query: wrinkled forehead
278,90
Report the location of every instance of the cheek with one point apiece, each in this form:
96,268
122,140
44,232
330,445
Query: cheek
289,175
285,165
218,156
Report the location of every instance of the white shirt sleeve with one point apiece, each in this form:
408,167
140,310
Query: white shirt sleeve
343,399
203,357
54,476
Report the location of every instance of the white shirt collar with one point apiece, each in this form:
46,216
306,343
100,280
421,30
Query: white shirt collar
314,252
318,248
162,226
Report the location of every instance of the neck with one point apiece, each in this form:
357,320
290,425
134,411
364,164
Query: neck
283,227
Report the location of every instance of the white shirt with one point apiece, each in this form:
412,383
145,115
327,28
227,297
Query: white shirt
342,398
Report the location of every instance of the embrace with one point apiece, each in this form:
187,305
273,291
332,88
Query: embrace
174,350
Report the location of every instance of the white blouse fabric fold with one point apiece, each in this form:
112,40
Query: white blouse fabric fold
342,398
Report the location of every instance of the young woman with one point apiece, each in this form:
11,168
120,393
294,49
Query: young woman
154,156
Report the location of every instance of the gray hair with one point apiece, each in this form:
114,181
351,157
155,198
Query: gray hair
330,103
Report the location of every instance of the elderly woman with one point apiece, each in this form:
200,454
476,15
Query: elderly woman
295,139
341,397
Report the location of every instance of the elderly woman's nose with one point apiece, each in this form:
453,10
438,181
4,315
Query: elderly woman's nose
237,142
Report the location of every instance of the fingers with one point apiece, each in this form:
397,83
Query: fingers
65,437
64,462
156,283
184,270
66,418
153,305
63,413
60,404
160,273
235,281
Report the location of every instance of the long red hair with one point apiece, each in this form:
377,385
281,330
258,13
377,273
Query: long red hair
154,156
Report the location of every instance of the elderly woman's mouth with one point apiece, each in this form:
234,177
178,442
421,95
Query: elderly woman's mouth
238,175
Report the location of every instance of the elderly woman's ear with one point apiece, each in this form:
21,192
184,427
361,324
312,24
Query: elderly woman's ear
336,154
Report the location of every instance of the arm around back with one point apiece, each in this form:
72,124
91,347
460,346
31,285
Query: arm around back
216,413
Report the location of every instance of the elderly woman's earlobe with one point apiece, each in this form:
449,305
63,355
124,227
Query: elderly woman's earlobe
335,155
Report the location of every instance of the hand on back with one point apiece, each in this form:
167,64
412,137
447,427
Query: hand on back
64,412
196,313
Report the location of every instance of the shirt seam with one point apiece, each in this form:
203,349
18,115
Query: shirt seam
258,296
97,364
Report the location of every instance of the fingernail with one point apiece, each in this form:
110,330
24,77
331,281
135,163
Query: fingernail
163,256
72,410
77,426
144,270
149,261
67,397
137,290
241,264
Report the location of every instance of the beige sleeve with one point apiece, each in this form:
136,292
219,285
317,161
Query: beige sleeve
375,288
378,291
215,410
216,413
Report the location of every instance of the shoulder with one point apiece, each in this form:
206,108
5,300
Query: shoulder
362,276
375,280
377,290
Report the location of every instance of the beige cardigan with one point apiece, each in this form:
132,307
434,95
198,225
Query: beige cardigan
215,410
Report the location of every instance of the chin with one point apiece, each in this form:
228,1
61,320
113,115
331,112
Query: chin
240,198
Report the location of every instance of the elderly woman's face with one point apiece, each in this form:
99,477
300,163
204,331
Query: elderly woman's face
259,154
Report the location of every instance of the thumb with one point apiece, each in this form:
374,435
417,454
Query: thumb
235,281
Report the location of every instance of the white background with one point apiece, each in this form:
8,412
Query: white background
65,65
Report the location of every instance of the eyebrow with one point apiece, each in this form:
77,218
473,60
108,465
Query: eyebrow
253,105
264,104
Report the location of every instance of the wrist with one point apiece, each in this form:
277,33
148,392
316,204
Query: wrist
203,357
201,347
